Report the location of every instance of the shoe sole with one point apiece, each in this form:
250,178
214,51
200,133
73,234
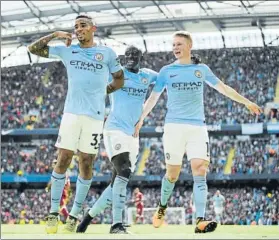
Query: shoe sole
209,228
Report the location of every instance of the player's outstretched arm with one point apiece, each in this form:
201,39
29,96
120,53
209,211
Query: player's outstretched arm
41,48
148,106
234,95
117,82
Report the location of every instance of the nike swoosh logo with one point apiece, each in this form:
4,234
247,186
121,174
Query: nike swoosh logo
121,195
74,52
126,79
171,76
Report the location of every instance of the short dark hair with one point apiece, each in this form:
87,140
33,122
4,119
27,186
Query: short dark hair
87,17
133,47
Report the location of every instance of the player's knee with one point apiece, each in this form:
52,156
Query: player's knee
199,167
202,170
172,178
122,164
172,173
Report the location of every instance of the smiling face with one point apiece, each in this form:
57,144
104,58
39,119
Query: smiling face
181,47
132,58
84,30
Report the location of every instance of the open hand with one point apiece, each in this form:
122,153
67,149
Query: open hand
64,35
254,108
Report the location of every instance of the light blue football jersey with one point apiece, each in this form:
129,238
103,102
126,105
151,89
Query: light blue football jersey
218,201
184,84
127,102
88,71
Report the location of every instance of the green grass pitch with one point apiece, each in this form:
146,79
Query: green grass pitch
142,232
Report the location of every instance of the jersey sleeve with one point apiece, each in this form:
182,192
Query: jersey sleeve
57,52
210,77
114,62
160,82
152,75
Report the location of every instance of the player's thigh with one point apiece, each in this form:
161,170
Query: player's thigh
91,135
69,132
174,143
117,142
198,143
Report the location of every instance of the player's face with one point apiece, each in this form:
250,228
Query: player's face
84,30
132,58
181,47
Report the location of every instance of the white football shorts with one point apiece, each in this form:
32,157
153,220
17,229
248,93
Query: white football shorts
80,132
181,138
117,142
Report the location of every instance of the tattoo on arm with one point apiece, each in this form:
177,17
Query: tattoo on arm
118,82
40,47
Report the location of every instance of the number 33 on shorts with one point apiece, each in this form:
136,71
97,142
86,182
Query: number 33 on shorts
97,138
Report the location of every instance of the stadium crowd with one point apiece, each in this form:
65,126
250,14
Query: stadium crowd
252,155
243,206
33,96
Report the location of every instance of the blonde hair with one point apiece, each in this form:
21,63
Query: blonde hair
184,34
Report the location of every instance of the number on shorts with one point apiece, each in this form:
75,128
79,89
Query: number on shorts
96,143
207,149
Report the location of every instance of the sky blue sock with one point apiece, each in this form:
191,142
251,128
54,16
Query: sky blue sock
103,202
82,188
57,186
166,190
119,192
200,195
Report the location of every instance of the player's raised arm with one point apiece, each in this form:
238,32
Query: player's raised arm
41,48
226,90
117,82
